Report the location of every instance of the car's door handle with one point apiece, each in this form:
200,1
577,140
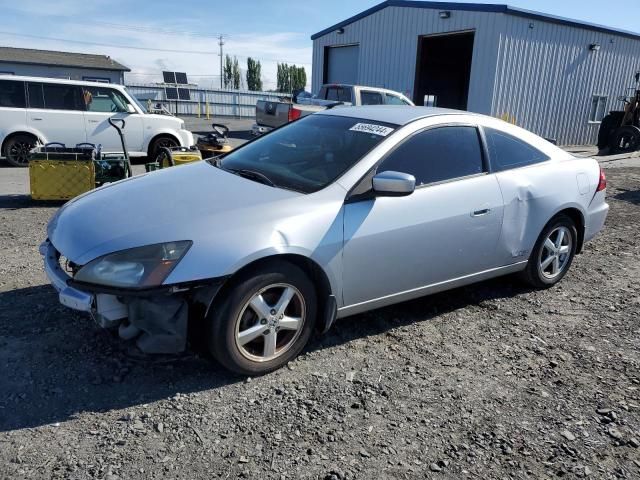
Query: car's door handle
480,213
36,118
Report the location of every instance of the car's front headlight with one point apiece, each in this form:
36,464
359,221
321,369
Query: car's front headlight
140,267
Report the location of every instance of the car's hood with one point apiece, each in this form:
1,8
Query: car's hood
180,203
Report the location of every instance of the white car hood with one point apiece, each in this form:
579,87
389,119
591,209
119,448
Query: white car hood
180,203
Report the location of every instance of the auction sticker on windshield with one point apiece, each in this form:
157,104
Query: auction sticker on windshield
372,128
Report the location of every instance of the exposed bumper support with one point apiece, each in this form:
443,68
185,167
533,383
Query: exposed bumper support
69,297
157,318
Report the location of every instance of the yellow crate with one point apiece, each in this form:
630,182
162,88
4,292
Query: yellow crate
60,179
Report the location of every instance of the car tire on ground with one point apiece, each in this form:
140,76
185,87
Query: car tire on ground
17,148
263,320
552,254
161,142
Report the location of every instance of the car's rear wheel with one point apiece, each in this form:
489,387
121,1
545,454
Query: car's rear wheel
17,148
264,320
553,253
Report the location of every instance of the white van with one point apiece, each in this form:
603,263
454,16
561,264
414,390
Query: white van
46,110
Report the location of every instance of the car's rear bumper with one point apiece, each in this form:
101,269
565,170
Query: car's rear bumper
595,221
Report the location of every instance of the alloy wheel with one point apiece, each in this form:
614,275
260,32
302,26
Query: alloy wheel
555,253
270,322
18,152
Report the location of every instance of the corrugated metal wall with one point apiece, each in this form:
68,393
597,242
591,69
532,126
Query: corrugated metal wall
547,75
388,49
232,103
543,77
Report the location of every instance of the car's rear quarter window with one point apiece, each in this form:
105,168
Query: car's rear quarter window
507,151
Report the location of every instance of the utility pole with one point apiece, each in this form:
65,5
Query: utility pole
221,43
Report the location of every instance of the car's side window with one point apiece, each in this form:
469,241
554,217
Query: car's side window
103,99
506,151
370,98
60,96
36,97
339,94
437,154
12,94
394,100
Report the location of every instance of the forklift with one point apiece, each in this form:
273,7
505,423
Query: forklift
620,130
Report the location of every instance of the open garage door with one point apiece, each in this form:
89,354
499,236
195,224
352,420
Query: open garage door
443,70
341,64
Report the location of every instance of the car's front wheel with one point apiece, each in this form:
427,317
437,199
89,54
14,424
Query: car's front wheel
553,253
263,320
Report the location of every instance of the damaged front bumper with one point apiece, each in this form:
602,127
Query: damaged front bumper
156,318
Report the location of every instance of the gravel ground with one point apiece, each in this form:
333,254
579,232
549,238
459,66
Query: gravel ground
487,381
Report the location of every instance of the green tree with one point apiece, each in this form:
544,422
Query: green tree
227,74
290,78
254,80
236,74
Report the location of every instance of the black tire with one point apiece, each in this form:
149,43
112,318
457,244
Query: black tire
17,148
158,143
534,274
229,311
164,158
626,139
608,126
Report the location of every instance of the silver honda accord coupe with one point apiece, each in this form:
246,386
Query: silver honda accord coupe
337,213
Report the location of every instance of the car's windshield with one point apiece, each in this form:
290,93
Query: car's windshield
309,154
138,102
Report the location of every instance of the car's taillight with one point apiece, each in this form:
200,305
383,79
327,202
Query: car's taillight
602,184
294,114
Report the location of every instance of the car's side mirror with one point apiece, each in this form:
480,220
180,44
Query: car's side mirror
393,184
130,108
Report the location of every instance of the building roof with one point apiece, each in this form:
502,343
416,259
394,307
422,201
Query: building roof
60,59
394,114
478,7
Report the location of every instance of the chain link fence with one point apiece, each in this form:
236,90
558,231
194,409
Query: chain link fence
204,102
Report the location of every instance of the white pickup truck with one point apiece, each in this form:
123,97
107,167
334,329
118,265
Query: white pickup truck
270,115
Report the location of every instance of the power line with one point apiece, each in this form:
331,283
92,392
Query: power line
112,45
122,26
133,47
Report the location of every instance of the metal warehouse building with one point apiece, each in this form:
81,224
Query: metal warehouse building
72,66
553,76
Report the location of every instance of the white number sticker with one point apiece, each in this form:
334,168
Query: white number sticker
372,128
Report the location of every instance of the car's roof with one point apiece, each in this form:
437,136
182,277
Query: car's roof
396,114
21,78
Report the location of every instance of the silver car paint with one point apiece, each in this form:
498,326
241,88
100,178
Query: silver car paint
373,252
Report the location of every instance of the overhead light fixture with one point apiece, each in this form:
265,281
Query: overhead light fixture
531,25
340,31
594,47
445,14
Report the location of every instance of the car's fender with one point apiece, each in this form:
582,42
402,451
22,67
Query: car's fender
22,128
155,132
533,196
